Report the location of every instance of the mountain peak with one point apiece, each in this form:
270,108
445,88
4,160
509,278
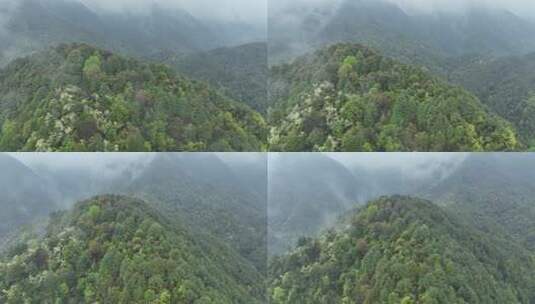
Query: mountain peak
132,254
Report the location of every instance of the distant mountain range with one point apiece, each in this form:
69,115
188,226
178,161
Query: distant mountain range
506,85
35,24
414,38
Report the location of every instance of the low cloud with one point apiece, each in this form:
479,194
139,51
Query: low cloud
106,165
525,8
520,7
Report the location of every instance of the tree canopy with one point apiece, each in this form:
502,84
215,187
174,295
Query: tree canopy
78,98
403,250
113,249
349,98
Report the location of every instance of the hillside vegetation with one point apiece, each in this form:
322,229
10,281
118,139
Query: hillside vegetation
201,191
239,72
113,249
78,98
403,250
501,202
506,85
349,98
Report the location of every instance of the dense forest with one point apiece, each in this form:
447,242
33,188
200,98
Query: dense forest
120,250
487,50
403,250
471,241
54,67
180,228
506,85
78,98
239,72
502,202
376,78
477,208
210,198
349,98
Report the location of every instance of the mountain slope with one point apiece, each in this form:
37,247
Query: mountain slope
385,27
476,30
240,72
403,250
495,192
348,98
78,98
423,38
204,193
116,249
506,85
24,196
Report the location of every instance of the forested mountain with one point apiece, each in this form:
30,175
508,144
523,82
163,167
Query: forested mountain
117,249
240,72
78,98
219,201
469,47
494,192
349,98
203,192
403,250
506,85
329,100
31,26
309,192
24,196
195,234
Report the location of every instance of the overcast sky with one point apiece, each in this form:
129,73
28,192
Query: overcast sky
114,163
106,162
94,163
521,7
400,160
